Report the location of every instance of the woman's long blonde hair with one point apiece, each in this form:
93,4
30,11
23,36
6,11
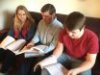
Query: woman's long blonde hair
17,23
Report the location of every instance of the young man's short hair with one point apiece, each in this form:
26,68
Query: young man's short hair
75,20
48,7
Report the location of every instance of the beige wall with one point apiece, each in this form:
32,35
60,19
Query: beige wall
87,7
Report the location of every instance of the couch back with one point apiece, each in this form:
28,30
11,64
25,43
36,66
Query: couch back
91,22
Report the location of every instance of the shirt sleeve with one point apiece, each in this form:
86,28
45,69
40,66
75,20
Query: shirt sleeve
49,48
11,31
36,37
31,32
60,36
93,46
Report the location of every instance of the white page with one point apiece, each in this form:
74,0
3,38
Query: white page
8,40
34,51
45,62
18,44
56,69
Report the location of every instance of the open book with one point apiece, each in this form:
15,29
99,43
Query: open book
55,69
51,65
34,51
49,60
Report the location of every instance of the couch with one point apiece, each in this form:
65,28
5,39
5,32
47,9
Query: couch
91,22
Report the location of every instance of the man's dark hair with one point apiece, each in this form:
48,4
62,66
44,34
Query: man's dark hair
48,7
75,20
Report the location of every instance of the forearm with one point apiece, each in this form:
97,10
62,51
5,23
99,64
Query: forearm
58,50
49,49
87,64
84,66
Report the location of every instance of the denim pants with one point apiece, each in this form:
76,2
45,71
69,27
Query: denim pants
69,63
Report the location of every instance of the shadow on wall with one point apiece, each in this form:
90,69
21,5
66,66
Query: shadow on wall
8,19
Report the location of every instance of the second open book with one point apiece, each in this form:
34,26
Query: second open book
35,51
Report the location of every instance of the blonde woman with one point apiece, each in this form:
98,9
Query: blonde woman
21,32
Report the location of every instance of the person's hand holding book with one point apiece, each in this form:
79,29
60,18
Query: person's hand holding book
28,46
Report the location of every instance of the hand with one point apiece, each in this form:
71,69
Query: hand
72,72
28,46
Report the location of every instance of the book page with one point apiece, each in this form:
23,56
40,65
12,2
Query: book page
41,48
45,62
8,40
18,44
56,69
36,50
29,51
